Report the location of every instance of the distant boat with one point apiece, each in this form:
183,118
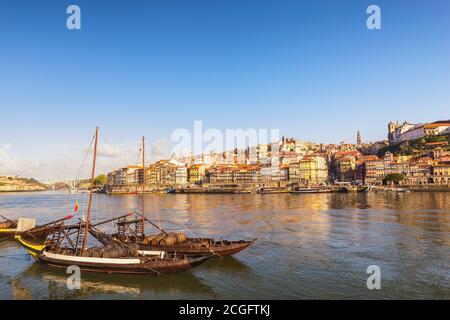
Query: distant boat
270,190
169,190
310,190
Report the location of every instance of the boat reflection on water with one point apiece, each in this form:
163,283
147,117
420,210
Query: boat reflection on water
226,265
53,283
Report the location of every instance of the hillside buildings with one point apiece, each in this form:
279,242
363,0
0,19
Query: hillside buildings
420,153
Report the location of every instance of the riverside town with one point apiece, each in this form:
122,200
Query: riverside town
413,157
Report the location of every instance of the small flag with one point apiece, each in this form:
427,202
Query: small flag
68,217
75,208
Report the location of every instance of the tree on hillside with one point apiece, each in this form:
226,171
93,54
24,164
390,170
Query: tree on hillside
101,180
393,178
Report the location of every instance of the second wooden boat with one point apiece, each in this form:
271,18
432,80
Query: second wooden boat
173,242
27,228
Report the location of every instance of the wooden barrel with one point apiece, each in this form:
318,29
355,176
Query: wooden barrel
109,246
148,239
168,240
6,225
115,252
181,237
123,251
98,252
88,252
133,249
110,253
156,239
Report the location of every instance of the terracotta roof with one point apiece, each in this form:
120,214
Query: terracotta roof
436,143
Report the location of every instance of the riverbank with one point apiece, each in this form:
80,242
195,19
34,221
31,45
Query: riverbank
16,184
280,190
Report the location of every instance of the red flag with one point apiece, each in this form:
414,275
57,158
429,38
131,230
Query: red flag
68,217
75,208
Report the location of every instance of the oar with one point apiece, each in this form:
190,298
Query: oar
151,222
113,219
53,222
13,222
38,228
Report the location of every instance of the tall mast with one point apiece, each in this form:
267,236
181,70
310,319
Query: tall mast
143,184
90,191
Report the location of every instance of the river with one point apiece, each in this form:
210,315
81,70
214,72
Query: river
310,246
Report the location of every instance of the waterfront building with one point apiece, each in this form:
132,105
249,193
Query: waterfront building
163,172
311,170
112,179
246,175
374,171
221,174
441,174
196,173
181,175
284,172
265,174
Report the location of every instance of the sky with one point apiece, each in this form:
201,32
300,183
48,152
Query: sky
311,69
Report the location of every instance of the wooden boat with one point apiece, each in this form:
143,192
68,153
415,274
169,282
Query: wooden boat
132,231
189,246
67,245
271,190
169,190
27,228
310,190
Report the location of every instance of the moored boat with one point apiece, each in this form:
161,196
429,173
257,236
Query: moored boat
25,227
310,190
179,244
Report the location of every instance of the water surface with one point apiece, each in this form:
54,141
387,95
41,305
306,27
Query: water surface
309,246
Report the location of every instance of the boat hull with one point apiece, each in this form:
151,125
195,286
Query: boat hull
140,267
191,247
36,236
7,234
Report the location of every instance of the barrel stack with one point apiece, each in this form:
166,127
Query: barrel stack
8,224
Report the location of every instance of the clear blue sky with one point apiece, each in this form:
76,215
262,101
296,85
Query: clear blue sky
310,68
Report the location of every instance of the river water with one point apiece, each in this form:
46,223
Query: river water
310,246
